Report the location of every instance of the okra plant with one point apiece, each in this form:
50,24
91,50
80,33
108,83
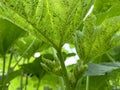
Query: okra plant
90,26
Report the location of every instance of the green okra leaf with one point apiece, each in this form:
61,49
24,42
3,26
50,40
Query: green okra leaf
94,40
53,21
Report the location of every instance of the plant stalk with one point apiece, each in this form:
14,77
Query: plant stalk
31,44
64,71
62,84
38,84
3,72
26,81
21,81
10,61
87,83
21,78
110,57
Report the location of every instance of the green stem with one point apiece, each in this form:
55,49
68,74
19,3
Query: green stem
26,81
87,83
38,84
79,83
62,84
64,71
3,73
21,79
110,57
10,60
31,44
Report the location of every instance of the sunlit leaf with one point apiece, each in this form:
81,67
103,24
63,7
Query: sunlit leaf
10,76
106,9
29,44
94,40
9,33
54,21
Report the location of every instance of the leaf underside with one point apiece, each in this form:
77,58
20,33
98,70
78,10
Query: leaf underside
53,21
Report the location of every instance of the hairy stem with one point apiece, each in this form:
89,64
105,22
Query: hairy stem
64,71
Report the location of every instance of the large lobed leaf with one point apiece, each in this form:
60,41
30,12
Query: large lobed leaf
94,40
52,20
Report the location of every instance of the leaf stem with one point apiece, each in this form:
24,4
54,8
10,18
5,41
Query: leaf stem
110,57
87,83
10,60
21,77
38,84
26,81
79,83
62,83
3,72
64,71
21,81
31,44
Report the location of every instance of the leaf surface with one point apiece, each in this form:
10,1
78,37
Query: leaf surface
29,45
94,40
106,9
54,21
101,69
10,76
9,33
34,68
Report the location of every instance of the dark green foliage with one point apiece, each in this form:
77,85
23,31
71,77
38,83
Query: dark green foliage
9,33
34,68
